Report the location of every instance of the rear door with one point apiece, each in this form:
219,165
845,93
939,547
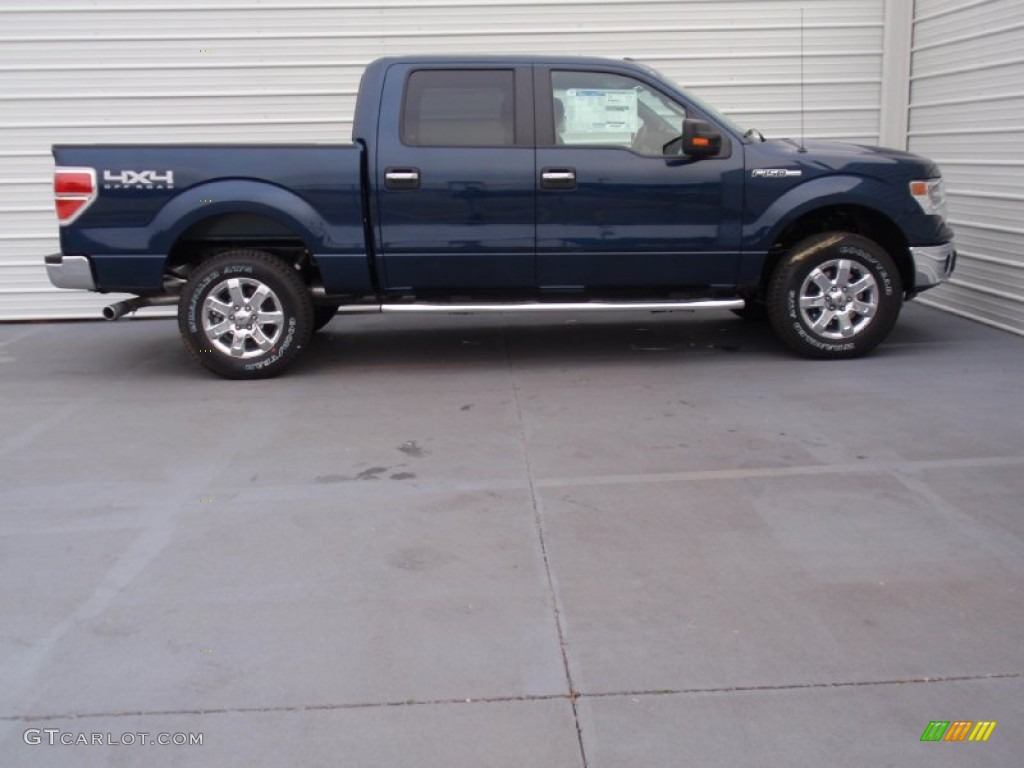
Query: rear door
613,210
454,180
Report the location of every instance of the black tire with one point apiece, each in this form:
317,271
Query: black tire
263,338
323,314
835,295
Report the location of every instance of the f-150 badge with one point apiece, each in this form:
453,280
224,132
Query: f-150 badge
138,180
774,173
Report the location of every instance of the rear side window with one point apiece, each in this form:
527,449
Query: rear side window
459,108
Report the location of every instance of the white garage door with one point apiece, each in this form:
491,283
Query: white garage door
287,70
967,113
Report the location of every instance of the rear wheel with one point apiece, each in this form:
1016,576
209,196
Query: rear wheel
245,314
837,295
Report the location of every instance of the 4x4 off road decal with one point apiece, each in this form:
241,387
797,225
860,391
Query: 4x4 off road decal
775,173
138,179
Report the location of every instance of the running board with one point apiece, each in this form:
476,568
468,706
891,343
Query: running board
549,306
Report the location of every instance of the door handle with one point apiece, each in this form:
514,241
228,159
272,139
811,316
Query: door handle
402,178
558,178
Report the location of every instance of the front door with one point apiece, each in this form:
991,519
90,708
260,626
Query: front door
454,181
613,210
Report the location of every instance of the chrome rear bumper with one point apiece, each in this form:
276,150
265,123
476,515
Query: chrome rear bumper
70,272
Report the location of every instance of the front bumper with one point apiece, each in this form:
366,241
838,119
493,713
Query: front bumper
70,272
933,264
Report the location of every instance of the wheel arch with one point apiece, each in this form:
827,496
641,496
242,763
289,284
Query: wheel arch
227,215
842,217
230,231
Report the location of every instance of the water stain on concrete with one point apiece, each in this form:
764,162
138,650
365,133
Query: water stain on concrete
412,448
419,559
371,473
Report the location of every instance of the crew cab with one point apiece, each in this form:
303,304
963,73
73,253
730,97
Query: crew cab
504,184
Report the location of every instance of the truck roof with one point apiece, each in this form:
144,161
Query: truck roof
507,60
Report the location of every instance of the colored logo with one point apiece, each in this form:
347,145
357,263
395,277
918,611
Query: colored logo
958,730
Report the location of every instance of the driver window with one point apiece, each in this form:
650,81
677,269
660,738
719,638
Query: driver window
605,110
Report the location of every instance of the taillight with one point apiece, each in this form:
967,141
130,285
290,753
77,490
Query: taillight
74,190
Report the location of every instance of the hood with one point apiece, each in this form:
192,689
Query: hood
823,157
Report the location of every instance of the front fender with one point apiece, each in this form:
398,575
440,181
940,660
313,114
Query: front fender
763,227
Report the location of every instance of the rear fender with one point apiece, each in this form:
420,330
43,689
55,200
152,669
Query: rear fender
217,198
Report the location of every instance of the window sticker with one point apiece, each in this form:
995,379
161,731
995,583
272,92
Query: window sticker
606,111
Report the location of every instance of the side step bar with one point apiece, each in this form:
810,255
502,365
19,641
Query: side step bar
547,306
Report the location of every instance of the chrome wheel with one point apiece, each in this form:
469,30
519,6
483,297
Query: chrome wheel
243,317
838,299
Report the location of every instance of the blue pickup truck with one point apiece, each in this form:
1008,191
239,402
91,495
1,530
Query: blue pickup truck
504,184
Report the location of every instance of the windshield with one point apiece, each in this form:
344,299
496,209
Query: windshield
702,105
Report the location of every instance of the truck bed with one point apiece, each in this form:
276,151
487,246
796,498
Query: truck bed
149,196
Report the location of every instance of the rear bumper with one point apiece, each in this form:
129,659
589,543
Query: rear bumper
70,272
933,264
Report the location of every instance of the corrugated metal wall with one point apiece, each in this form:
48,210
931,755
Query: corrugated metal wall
967,113
287,70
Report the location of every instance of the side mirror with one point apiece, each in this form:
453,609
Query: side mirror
700,138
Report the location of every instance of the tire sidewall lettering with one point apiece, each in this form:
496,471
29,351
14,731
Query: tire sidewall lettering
277,352
868,260
807,336
199,294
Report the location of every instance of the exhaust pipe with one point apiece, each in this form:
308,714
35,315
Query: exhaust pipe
122,308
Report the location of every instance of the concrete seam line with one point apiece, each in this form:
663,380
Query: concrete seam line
782,687
538,522
806,686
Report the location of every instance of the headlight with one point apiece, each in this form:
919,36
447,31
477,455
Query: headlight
931,196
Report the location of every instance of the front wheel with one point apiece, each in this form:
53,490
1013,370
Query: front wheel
245,314
836,295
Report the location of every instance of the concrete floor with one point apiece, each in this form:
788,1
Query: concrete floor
412,548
